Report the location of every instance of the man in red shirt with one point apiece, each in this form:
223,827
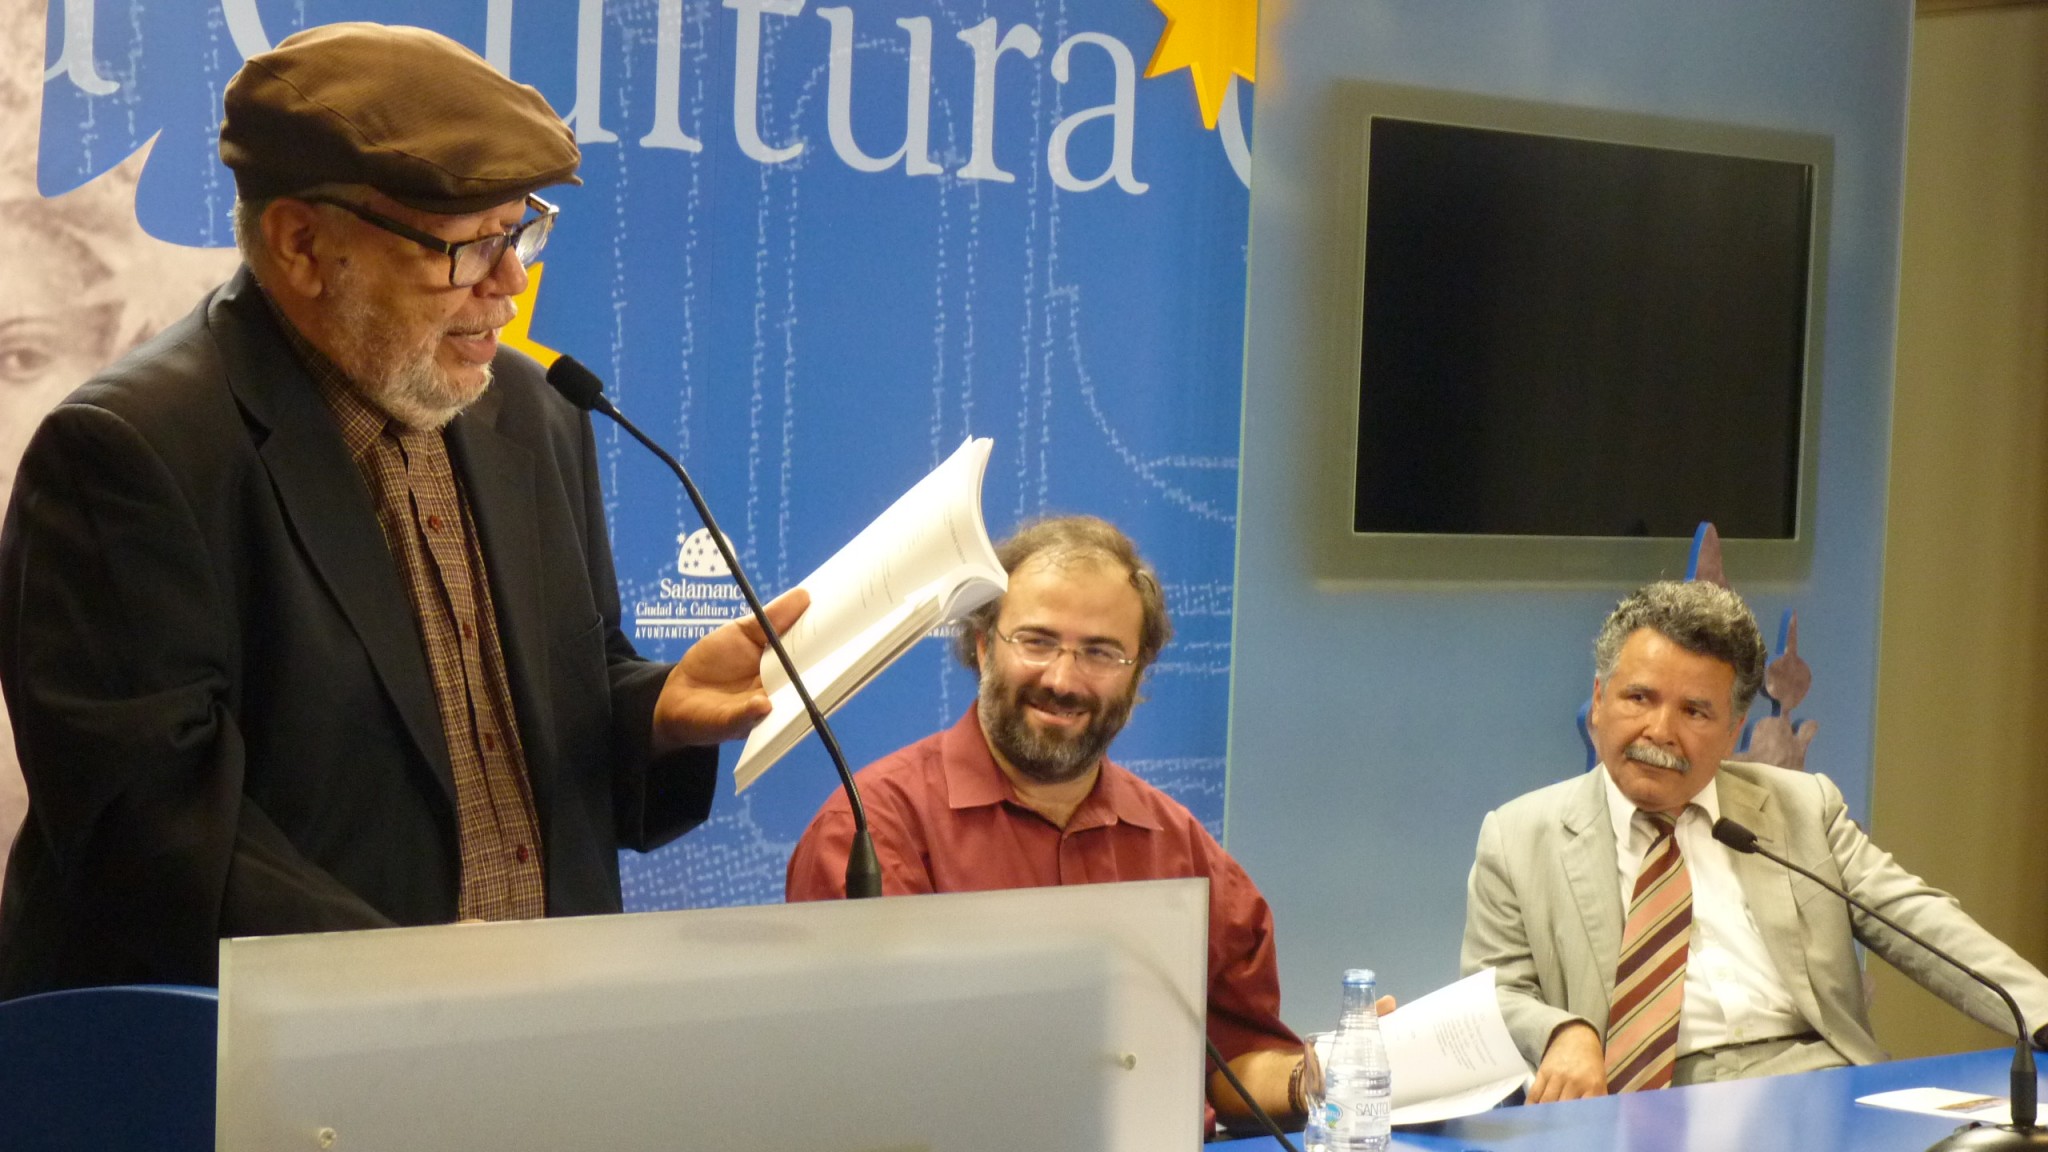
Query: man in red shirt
1019,793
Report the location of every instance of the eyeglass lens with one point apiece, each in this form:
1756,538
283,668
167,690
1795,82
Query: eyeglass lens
1038,651
476,259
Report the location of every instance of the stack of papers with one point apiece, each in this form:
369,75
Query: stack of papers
1450,1053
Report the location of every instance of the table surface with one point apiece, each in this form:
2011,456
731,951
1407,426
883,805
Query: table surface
1807,1112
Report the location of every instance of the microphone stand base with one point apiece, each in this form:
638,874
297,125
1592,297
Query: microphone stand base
1987,1137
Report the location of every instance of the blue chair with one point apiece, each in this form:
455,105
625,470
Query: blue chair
109,1068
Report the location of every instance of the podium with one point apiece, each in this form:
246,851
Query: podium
1029,1020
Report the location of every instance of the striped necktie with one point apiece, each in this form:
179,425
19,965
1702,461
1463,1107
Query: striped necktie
1649,982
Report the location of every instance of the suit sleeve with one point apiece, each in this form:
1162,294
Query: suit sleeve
1496,936
121,660
1873,876
655,798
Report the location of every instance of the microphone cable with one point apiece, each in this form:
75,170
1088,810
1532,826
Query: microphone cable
581,387
1243,1094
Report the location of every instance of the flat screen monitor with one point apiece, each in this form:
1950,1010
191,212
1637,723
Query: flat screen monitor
1573,335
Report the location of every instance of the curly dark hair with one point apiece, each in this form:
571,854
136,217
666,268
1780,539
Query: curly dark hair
1059,540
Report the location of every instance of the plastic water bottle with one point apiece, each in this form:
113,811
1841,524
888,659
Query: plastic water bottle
1315,1133
1358,1084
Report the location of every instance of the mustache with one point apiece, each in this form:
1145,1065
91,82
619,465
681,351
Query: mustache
1656,757
1070,700
493,320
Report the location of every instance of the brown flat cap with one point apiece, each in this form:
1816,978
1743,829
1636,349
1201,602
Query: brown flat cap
406,111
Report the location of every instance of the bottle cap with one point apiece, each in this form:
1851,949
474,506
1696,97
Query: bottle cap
1359,976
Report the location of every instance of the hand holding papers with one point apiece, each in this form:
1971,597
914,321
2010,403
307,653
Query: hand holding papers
925,561
1451,1053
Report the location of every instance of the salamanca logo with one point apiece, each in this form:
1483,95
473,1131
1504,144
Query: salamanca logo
994,51
703,597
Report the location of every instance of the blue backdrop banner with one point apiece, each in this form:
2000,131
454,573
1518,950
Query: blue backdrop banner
816,247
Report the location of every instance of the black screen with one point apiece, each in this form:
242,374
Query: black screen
1577,338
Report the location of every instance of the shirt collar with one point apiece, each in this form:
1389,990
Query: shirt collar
973,780
1622,811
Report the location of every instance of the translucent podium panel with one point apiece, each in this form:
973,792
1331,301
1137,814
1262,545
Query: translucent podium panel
1036,1020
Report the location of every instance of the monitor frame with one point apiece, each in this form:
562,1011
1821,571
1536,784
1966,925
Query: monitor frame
1343,557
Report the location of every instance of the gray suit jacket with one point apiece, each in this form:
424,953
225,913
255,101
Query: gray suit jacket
1543,908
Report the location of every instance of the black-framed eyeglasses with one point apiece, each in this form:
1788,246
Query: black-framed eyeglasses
1038,650
471,260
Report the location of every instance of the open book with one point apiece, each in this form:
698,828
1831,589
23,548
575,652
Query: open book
923,562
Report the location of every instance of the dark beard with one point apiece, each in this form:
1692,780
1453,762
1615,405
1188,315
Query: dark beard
1044,757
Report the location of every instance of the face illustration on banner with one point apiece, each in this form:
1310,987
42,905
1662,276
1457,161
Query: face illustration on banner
1051,203
49,343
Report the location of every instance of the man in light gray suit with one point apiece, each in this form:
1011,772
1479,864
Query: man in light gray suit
1758,972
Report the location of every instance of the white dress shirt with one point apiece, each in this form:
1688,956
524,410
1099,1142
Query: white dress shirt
1733,993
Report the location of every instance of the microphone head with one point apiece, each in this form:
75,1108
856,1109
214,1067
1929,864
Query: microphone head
577,384
1734,835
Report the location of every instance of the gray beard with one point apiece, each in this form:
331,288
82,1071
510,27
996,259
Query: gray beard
420,397
404,383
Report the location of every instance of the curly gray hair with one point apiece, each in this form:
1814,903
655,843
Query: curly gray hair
1702,618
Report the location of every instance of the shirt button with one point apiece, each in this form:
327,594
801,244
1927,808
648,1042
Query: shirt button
520,853
433,523
491,745
468,630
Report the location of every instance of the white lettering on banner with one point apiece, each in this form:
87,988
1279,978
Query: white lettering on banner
1022,39
914,153
586,116
1230,126
74,59
668,82
1123,112
746,79
697,590
987,41
686,610
245,27
498,35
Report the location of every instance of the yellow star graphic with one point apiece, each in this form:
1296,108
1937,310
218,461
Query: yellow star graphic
1211,39
519,333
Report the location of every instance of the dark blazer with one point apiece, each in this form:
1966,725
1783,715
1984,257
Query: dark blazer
218,689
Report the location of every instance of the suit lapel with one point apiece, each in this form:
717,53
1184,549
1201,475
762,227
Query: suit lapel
1588,862
330,511
498,480
1767,887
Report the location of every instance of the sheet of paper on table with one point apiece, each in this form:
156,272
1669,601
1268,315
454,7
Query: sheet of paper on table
1450,1053
1945,1102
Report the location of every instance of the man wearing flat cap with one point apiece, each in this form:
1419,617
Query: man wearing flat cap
307,613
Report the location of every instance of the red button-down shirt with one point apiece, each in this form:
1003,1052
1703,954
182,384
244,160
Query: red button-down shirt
945,819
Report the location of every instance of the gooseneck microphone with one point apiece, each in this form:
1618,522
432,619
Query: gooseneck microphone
2022,1132
581,387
